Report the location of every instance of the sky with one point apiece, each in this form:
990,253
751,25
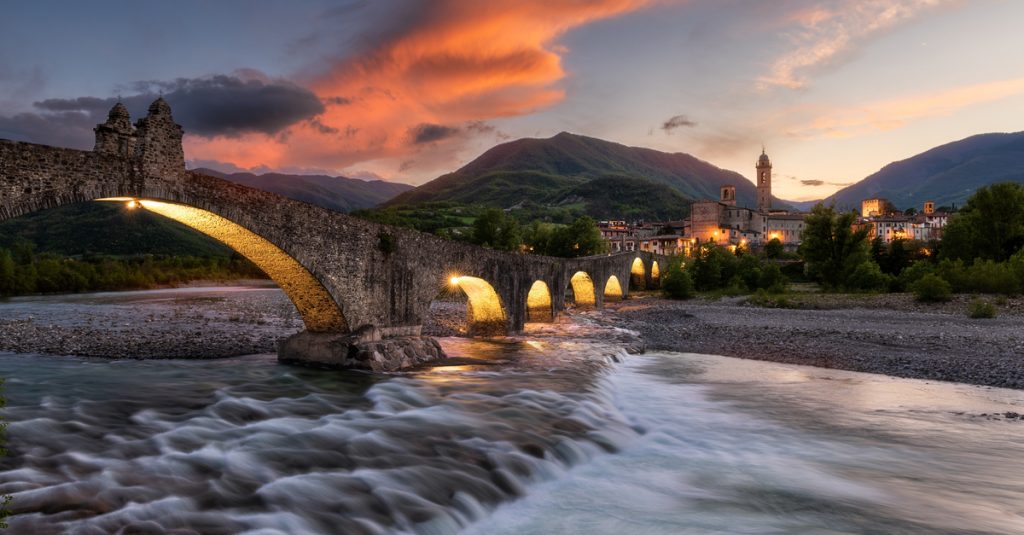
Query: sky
407,90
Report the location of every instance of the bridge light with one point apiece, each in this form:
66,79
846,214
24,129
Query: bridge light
454,281
132,204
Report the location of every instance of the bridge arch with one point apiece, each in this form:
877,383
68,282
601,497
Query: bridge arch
319,311
538,303
655,274
485,313
637,274
583,291
612,289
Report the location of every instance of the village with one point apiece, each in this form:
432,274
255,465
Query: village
723,222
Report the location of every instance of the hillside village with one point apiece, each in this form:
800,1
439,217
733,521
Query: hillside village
722,222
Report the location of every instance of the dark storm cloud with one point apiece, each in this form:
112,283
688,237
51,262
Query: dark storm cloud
64,129
677,121
428,133
220,105
230,106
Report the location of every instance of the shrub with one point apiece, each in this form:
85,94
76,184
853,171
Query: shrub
772,279
764,299
988,277
981,309
868,277
912,274
931,289
676,283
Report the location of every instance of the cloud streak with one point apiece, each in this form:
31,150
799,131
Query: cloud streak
890,114
826,33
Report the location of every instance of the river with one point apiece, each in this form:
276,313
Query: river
557,431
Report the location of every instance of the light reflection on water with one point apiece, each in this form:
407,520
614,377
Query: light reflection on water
543,435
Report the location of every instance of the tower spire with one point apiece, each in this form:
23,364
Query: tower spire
764,182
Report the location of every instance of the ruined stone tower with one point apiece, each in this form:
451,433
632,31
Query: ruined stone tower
116,136
764,183
158,145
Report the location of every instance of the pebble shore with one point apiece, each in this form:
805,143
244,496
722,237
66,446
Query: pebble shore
173,323
886,334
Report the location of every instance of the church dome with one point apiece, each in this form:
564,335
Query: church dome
763,159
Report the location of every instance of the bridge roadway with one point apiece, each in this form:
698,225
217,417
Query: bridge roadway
363,289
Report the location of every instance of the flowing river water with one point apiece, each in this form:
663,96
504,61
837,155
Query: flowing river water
557,431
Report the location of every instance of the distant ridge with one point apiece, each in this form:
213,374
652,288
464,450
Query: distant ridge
946,174
556,169
338,193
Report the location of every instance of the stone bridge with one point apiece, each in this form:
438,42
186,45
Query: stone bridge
363,289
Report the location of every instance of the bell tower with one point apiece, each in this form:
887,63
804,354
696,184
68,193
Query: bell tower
764,183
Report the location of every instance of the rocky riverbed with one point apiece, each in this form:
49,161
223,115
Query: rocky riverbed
880,334
200,322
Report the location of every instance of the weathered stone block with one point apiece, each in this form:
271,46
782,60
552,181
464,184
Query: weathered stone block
362,350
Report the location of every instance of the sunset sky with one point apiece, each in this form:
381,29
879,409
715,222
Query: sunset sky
407,90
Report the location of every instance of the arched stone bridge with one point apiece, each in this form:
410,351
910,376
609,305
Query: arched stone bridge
364,286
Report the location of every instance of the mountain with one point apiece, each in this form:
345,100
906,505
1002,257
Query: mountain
946,174
334,192
558,168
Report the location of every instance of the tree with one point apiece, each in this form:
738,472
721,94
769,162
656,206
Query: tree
6,272
989,226
581,238
677,283
831,248
774,248
497,230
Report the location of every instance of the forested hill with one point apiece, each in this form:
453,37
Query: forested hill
554,171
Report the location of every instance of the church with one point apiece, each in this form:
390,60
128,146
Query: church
725,223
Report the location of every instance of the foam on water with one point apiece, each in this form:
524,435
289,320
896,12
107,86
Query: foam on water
556,432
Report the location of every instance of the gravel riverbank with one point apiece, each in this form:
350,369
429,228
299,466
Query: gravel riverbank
877,334
194,322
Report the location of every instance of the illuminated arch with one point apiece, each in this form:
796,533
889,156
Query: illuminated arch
583,290
612,289
485,313
655,273
319,311
538,303
637,274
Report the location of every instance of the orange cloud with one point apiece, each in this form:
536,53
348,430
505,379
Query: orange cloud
463,62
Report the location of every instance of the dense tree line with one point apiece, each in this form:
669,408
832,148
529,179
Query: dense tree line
24,272
498,230
982,250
